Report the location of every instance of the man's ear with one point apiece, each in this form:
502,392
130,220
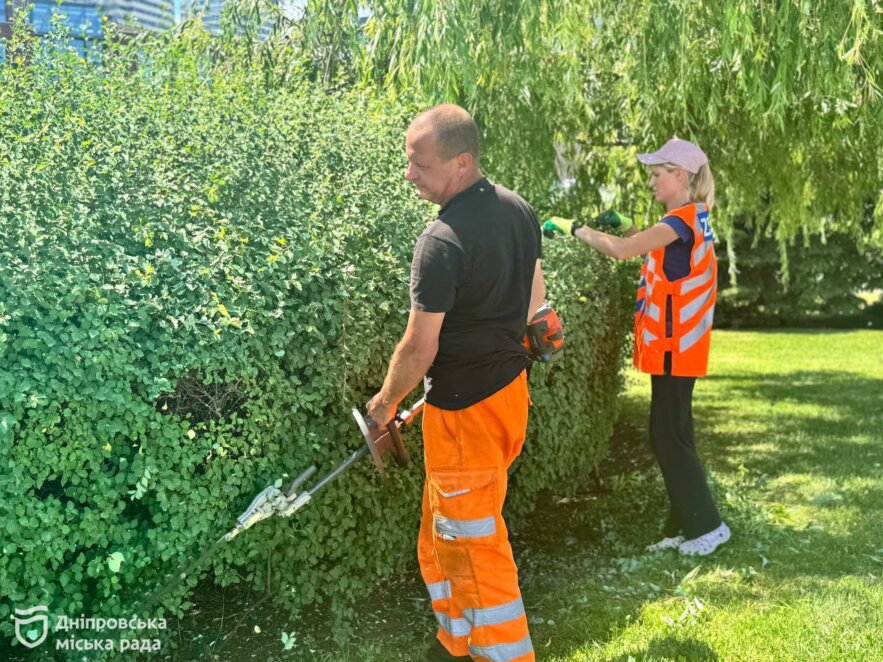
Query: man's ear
465,162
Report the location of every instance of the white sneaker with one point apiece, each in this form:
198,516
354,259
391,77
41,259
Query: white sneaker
705,545
665,543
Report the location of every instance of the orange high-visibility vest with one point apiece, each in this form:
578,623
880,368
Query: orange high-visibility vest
692,304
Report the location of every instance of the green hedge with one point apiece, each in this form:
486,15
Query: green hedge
200,273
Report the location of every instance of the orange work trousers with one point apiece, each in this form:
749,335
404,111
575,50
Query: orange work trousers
463,547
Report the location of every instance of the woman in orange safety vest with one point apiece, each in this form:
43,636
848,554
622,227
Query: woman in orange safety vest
673,318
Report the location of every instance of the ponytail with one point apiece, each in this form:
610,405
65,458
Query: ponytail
702,186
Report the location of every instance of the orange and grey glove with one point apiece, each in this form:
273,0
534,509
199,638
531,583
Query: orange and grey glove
544,335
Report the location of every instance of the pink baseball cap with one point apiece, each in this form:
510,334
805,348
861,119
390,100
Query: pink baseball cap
677,151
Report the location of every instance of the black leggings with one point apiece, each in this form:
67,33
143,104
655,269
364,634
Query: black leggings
692,510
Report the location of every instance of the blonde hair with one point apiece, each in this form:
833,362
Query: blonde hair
701,184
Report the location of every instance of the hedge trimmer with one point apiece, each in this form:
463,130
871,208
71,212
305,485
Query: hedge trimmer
273,501
378,442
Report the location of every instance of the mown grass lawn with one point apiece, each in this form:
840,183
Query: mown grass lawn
790,424
791,427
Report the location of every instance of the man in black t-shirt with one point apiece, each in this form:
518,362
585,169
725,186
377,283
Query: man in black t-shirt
476,264
475,280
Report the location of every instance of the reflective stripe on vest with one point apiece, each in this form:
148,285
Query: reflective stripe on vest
654,312
503,652
692,337
700,252
690,309
691,284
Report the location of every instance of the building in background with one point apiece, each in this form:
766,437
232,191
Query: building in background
5,27
84,17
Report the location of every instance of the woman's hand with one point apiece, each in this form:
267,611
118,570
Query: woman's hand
557,225
613,220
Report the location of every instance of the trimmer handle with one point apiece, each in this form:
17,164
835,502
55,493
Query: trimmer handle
300,480
388,440
381,441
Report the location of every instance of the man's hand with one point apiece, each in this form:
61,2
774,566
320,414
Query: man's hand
381,411
557,225
613,220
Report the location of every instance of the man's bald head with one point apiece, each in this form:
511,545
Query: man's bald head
454,130
442,149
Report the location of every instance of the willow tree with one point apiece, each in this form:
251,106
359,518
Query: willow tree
783,94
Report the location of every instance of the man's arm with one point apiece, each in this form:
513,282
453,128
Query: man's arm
411,360
537,290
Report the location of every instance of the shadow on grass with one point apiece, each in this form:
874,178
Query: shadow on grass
674,649
828,442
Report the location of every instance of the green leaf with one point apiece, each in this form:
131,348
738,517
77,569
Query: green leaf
114,561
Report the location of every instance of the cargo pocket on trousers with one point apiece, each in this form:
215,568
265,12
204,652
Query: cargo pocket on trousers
466,516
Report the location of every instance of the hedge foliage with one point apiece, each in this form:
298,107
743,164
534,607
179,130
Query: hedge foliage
201,271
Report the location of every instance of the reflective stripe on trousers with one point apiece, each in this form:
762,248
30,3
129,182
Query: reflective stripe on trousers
460,627
463,547
502,652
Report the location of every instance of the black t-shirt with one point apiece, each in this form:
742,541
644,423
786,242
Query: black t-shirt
476,264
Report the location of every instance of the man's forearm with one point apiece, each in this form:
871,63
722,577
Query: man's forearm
537,291
406,369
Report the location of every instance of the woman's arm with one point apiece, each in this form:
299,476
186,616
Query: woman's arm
636,243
